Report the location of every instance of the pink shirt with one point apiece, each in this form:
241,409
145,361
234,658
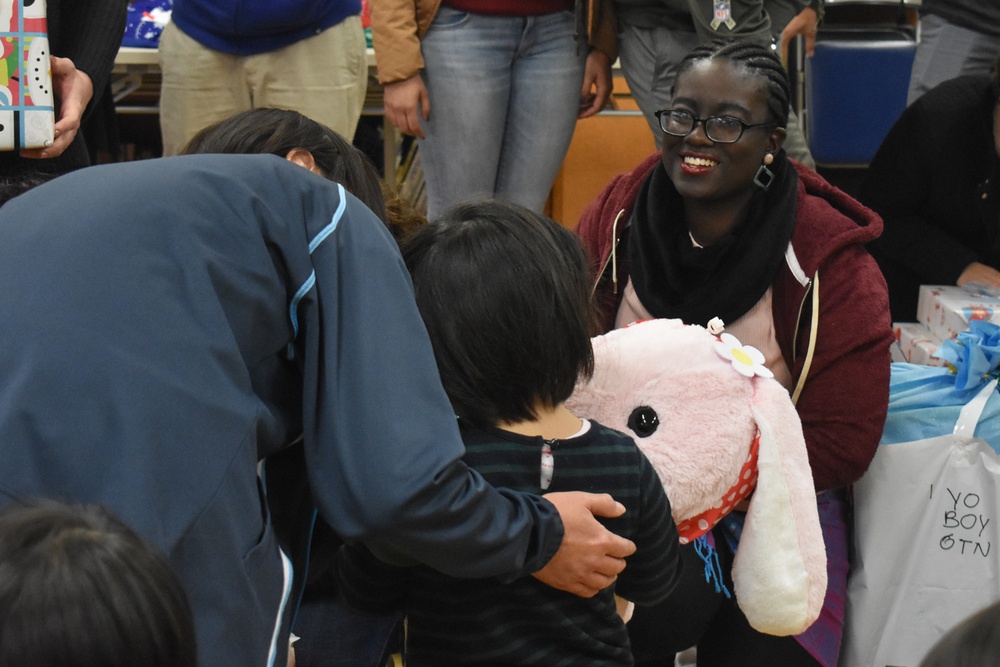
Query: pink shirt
755,328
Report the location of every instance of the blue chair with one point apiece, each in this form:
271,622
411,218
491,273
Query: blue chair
855,88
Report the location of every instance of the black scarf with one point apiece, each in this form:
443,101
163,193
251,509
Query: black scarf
674,279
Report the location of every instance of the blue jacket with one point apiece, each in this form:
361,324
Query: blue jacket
247,27
166,324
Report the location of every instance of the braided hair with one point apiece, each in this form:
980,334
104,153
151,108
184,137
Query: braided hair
757,60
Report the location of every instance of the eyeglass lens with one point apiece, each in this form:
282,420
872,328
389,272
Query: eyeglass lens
721,129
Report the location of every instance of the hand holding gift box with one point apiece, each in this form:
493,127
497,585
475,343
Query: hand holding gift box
74,89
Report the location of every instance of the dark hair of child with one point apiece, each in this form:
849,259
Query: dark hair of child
78,588
12,185
505,295
974,642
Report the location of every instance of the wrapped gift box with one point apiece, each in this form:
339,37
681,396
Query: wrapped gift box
27,114
917,344
946,310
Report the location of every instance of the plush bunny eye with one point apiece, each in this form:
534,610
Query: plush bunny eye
643,421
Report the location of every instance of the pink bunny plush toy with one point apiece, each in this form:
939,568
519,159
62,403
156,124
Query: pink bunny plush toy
719,429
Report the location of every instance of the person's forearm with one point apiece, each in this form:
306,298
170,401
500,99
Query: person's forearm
395,38
481,532
604,35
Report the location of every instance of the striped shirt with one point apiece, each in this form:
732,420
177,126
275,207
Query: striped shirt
524,622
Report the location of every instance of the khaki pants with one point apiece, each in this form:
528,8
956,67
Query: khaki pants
324,77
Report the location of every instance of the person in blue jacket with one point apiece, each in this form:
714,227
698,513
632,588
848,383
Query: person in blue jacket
219,57
169,323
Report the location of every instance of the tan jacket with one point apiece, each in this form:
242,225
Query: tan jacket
399,25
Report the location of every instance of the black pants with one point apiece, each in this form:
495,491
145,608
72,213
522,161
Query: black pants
695,614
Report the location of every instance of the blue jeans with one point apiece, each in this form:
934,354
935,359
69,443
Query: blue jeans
504,94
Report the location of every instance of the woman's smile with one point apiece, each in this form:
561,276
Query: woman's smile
694,163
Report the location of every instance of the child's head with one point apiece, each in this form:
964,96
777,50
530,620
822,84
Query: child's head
972,642
291,135
19,182
505,296
78,588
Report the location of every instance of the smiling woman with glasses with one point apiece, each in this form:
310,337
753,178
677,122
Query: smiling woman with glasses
723,224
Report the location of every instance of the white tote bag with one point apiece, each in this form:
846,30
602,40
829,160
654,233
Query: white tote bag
926,543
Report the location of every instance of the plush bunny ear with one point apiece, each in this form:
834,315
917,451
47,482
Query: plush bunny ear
780,568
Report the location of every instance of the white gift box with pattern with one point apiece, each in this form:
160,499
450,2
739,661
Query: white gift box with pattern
27,112
917,344
946,310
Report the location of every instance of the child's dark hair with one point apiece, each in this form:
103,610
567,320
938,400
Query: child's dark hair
505,296
280,131
78,588
973,642
18,183
758,60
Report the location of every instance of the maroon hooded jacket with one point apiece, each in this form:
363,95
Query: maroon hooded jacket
845,397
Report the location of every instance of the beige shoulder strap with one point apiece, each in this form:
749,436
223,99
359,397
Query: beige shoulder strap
813,331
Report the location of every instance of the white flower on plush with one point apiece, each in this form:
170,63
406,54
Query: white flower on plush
716,435
747,360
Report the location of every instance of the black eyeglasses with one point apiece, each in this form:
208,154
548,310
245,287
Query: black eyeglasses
720,129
